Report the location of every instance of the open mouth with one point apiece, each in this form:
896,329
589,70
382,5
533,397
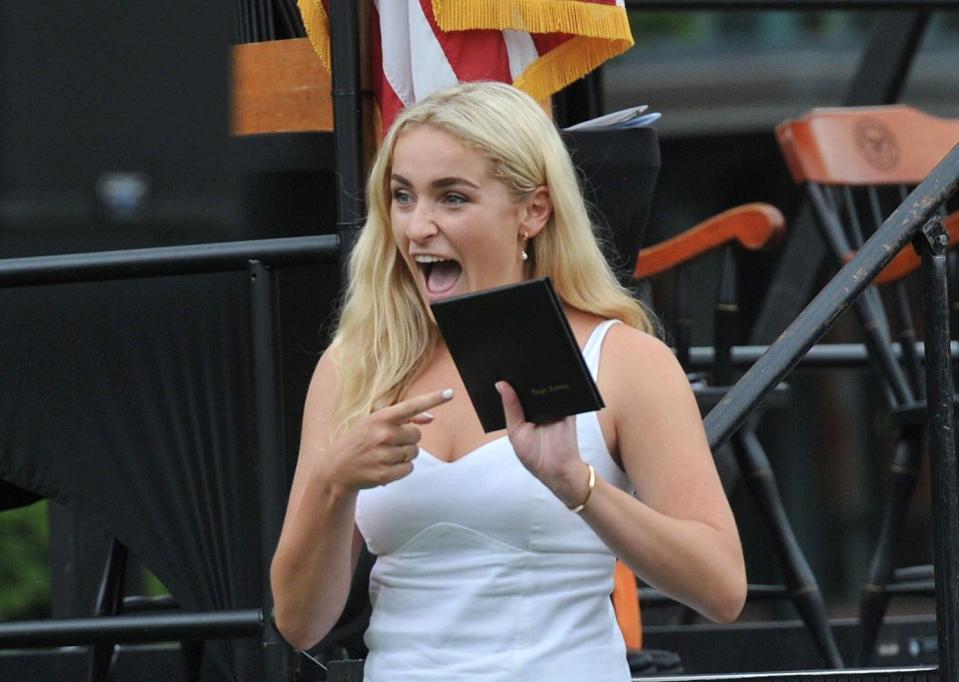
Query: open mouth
440,274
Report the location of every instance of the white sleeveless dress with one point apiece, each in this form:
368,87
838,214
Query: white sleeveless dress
483,574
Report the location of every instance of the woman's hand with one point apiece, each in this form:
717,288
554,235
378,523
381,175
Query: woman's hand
381,447
549,451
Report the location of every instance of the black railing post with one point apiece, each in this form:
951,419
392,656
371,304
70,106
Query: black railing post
270,458
109,601
347,123
944,472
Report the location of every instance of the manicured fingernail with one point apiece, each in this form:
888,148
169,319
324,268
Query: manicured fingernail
426,415
448,393
498,389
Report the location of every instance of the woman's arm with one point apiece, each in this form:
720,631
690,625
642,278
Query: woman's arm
678,534
319,544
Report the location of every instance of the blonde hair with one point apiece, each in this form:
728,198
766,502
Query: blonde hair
385,332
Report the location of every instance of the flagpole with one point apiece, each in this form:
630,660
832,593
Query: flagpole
347,123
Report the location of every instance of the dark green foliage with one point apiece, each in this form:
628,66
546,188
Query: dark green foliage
661,25
24,563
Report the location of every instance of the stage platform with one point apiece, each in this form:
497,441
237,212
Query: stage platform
863,675
781,646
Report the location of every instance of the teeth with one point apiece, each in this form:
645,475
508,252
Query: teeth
429,259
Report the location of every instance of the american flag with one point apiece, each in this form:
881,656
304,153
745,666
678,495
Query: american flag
540,46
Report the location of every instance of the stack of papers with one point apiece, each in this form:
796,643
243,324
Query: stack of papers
634,117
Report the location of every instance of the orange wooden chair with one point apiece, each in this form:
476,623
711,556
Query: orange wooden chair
750,226
856,165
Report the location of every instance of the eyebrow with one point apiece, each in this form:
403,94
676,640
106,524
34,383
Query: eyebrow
439,183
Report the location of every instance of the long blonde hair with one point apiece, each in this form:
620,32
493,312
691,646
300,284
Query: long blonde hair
385,333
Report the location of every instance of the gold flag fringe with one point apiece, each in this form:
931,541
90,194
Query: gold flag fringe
566,63
317,26
577,17
600,32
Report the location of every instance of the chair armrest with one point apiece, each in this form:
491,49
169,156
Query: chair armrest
754,226
907,260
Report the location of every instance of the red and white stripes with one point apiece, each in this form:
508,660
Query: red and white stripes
539,46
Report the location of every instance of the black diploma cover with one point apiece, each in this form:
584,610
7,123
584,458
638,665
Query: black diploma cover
520,334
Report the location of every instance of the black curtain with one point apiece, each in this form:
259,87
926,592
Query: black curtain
129,403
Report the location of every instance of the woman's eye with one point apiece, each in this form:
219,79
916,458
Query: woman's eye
401,197
455,199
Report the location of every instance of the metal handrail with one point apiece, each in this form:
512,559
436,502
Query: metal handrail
128,629
166,260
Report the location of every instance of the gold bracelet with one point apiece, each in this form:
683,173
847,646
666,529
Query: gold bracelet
589,490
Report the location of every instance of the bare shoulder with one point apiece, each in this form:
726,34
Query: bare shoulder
626,347
638,367
658,425
325,371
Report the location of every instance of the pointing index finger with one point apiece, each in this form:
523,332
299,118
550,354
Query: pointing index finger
406,410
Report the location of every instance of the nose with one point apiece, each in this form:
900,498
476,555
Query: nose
421,224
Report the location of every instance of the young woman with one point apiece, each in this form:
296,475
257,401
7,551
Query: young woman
495,552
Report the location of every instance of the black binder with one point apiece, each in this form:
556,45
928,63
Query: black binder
520,334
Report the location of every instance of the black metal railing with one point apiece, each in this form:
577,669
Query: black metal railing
131,629
165,260
820,356
257,258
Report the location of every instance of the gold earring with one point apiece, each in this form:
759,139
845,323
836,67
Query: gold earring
523,256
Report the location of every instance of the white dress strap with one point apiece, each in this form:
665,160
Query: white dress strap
591,351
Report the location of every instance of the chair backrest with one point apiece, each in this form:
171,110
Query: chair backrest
866,148
861,146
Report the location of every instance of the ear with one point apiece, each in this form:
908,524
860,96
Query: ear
536,211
